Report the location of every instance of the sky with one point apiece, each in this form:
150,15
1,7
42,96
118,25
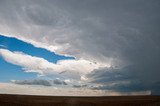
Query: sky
105,46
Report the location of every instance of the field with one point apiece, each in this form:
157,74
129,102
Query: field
28,100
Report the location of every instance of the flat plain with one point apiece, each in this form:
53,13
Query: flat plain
35,100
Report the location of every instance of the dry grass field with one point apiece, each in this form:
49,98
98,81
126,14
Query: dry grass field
28,100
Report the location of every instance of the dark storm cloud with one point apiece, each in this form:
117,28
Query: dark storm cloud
59,82
127,79
80,86
124,33
105,30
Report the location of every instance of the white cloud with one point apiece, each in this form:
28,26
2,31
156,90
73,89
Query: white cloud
71,68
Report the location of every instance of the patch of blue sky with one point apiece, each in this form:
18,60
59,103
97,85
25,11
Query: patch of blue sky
10,72
14,44
13,72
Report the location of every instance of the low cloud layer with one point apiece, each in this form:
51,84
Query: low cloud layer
33,82
53,91
40,82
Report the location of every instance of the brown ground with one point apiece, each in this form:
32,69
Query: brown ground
24,100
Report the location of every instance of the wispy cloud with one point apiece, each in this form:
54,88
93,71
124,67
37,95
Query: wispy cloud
3,46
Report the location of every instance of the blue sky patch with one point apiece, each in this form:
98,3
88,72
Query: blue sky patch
9,71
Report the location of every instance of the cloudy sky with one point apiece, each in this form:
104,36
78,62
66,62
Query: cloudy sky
102,47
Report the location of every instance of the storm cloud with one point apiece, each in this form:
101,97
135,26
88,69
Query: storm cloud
127,79
122,34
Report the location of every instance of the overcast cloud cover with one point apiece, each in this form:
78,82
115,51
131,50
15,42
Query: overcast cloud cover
120,38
